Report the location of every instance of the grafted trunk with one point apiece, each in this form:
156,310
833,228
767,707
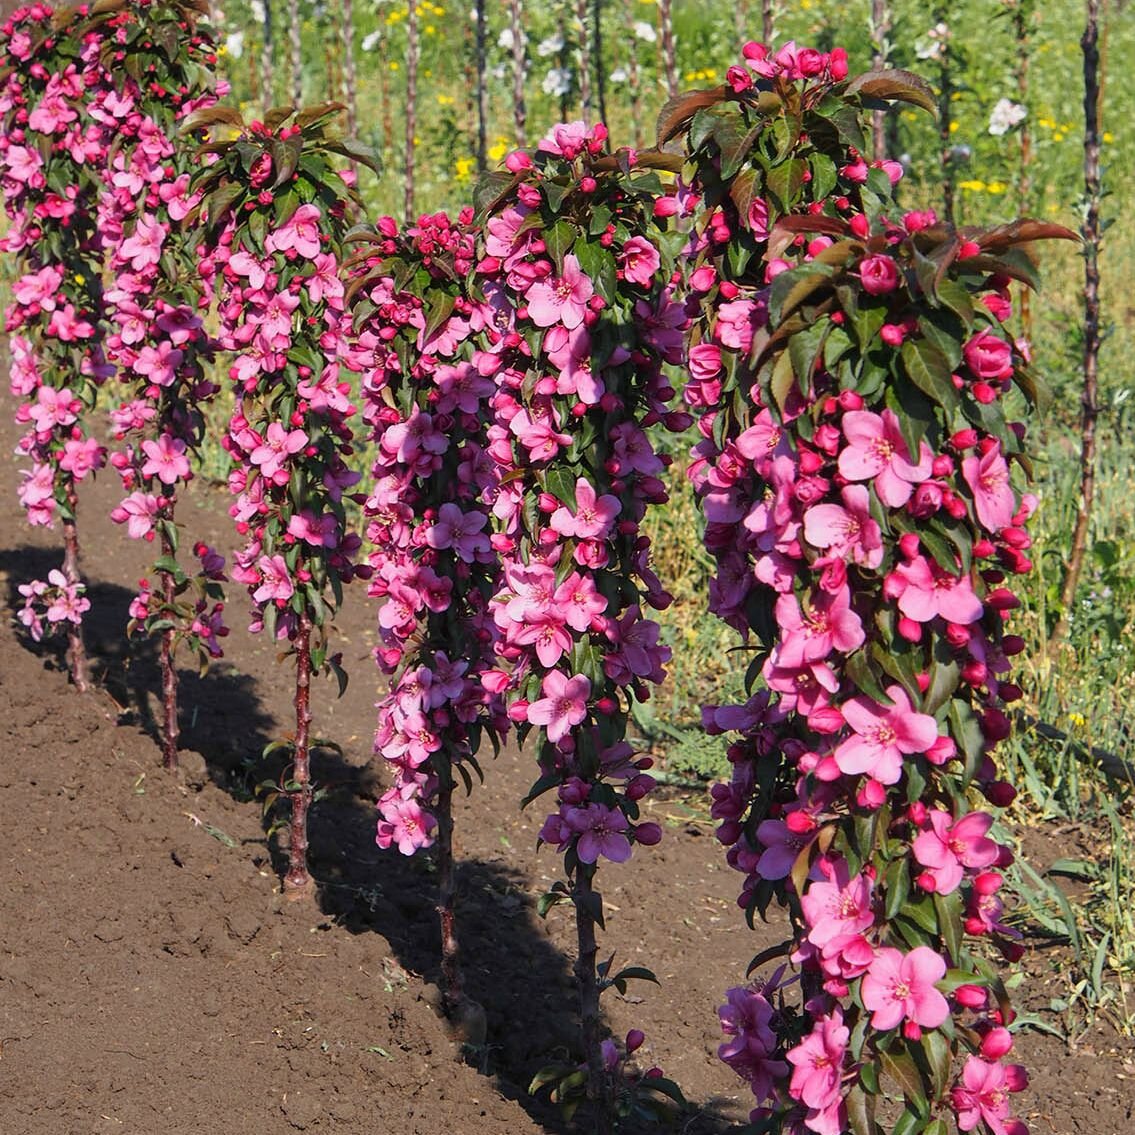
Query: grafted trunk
76,650
880,30
298,879
171,731
412,55
295,40
350,78
519,105
267,58
599,1087
1089,390
482,89
669,50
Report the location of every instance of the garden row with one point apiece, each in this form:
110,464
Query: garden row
510,373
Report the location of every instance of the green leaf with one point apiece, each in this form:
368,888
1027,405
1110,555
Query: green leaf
956,297
785,181
860,1111
909,1123
558,241
896,887
824,176
936,1049
782,381
804,349
949,910
966,731
597,263
440,309
892,84
901,1068
929,370
792,288
859,670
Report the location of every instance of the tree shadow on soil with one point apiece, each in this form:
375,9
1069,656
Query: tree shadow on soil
511,966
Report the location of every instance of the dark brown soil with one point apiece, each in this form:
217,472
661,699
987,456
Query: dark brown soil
153,981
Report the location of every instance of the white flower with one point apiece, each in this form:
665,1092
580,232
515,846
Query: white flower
645,31
619,75
553,45
370,42
234,44
557,81
256,7
1005,115
927,50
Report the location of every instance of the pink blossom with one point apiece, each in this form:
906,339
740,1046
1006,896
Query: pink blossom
927,591
299,234
461,531
143,248
562,299
848,530
746,1019
600,830
165,459
279,444
593,516
276,580
879,274
988,478
564,704
882,735
138,512
876,449
900,986
947,849
639,261
982,1095
837,907
818,1064
830,624
403,823
988,356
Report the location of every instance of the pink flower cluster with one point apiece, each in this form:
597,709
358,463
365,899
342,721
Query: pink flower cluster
870,557
57,360
51,601
426,389
577,358
280,301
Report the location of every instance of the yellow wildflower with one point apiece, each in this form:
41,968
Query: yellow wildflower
464,168
972,186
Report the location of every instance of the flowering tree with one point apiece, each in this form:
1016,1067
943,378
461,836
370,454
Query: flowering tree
275,210
426,391
576,320
850,369
50,160
156,338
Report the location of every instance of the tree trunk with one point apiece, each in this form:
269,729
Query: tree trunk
634,75
295,40
1023,28
519,106
482,89
297,880
880,30
741,21
597,56
412,52
768,20
350,79
599,1086
583,56
451,986
1089,392
669,51
267,61
170,729
945,117
76,651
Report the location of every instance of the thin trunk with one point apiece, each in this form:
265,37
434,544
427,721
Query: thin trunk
170,729
945,116
565,61
1089,393
451,986
598,1082
519,106
295,40
297,878
350,78
741,20
469,72
583,54
384,91
634,75
669,52
482,89
76,651
267,62
880,30
768,20
597,55
412,52
1023,29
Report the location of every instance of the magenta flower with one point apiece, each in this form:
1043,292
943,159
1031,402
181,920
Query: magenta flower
639,261
818,1063
988,356
928,591
848,530
830,624
278,445
900,987
403,823
993,499
138,512
299,234
947,848
563,705
601,832
165,459
593,517
562,299
276,580
461,531
982,1095
837,907
883,734
876,449
746,1019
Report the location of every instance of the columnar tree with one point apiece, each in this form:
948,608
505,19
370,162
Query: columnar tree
851,369
51,156
274,208
574,274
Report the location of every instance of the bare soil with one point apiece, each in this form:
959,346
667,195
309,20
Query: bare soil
154,981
